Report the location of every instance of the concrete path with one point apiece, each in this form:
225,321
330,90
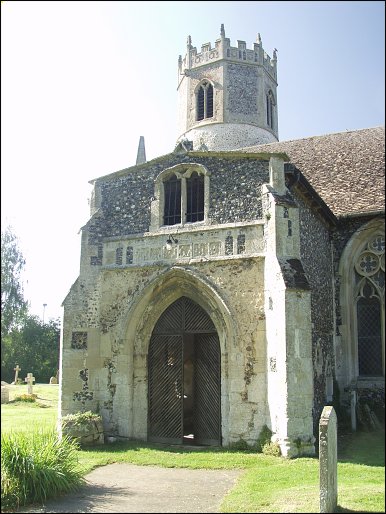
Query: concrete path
131,488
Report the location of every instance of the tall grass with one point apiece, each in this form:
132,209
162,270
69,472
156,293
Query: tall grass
36,466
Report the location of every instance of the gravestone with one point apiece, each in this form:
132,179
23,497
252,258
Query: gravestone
4,394
328,460
53,380
30,379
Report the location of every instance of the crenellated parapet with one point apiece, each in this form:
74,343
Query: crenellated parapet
223,50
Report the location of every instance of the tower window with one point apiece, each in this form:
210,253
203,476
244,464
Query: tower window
205,101
270,106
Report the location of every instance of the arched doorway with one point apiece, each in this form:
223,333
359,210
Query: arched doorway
184,377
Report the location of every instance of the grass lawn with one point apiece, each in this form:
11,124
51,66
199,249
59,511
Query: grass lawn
23,416
268,484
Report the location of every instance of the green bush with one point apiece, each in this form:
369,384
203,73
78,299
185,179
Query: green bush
86,428
80,418
264,438
37,466
29,398
271,449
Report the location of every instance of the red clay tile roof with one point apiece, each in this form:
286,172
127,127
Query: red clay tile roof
347,169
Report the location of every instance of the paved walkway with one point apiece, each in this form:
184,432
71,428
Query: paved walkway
131,488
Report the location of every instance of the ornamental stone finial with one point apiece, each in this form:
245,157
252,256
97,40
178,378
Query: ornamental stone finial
222,30
258,39
275,54
189,42
141,153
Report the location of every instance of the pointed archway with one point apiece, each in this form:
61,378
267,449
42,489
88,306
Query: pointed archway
184,377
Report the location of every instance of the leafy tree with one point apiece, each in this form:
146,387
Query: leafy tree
34,347
13,305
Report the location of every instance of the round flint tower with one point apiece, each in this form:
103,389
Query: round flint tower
227,95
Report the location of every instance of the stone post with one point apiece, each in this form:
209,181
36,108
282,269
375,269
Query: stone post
328,460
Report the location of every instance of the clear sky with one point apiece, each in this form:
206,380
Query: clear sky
82,81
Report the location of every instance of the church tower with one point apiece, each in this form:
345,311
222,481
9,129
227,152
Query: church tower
227,95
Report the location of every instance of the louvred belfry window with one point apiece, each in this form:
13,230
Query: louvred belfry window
270,104
205,101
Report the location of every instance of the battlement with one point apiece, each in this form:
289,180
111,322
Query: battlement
223,50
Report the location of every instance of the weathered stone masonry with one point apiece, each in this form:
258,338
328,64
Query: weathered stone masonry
125,205
316,256
112,300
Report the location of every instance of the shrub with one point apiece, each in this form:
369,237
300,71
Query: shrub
271,449
80,418
264,438
37,466
84,427
29,398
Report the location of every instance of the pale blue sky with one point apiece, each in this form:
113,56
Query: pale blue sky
82,81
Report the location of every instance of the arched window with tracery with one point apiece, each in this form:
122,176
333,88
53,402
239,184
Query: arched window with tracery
369,294
205,101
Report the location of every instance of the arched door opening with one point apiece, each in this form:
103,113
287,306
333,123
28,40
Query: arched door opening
184,377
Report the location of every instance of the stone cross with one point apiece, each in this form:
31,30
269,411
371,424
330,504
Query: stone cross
30,379
17,369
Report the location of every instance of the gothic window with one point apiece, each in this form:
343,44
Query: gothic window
270,108
369,278
205,101
360,354
181,196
